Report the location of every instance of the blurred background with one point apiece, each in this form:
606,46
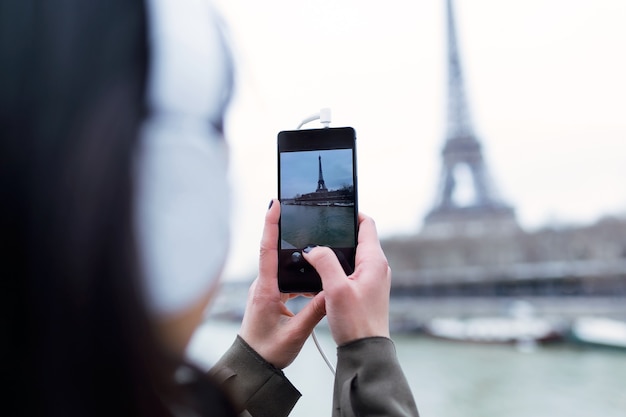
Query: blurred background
491,152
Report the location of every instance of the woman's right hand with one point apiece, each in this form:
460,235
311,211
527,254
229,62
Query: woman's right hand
357,306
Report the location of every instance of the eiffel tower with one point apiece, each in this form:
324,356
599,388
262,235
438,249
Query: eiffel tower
486,213
321,186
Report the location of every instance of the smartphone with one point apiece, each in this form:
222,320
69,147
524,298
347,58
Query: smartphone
317,189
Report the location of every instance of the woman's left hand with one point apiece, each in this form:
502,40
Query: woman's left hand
268,326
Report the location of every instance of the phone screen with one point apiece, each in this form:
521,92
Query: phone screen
317,188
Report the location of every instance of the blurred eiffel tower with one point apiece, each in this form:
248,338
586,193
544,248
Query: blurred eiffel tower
485,213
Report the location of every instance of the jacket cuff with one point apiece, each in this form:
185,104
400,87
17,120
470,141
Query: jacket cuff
370,380
254,384
378,349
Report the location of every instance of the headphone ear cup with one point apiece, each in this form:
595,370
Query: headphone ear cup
182,201
182,206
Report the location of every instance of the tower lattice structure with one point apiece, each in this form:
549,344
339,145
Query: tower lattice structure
487,213
321,186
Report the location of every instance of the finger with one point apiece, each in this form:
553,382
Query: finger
268,257
368,235
307,318
368,242
370,257
327,265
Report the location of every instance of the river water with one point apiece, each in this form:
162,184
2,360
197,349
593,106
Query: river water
320,225
462,380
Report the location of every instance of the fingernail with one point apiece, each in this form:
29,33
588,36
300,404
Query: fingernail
270,206
308,248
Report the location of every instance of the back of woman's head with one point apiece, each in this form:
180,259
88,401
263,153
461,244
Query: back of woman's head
72,86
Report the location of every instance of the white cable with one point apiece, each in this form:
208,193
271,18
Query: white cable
308,119
319,348
324,117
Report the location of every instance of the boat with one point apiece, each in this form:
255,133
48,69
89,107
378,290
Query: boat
520,328
598,332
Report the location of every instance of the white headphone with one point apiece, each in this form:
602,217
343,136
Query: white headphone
182,191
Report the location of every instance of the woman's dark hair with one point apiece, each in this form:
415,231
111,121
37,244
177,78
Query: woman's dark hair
72,87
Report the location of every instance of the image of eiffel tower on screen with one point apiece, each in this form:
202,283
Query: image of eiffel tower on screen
317,198
476,209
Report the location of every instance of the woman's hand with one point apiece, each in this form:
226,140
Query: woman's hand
357,306
268,326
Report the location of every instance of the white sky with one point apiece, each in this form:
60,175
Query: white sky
546,87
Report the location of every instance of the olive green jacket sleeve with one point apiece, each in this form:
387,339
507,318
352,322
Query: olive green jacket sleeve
370,382
255,386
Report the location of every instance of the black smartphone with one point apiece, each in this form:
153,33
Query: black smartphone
317,188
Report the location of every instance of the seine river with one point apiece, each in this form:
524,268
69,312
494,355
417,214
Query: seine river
321,225
459,380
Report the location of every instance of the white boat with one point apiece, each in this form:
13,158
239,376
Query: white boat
599,331
521,328
493,329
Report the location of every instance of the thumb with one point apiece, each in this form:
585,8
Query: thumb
326,264
311,314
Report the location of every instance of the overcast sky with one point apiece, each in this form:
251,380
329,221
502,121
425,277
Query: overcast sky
545,83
